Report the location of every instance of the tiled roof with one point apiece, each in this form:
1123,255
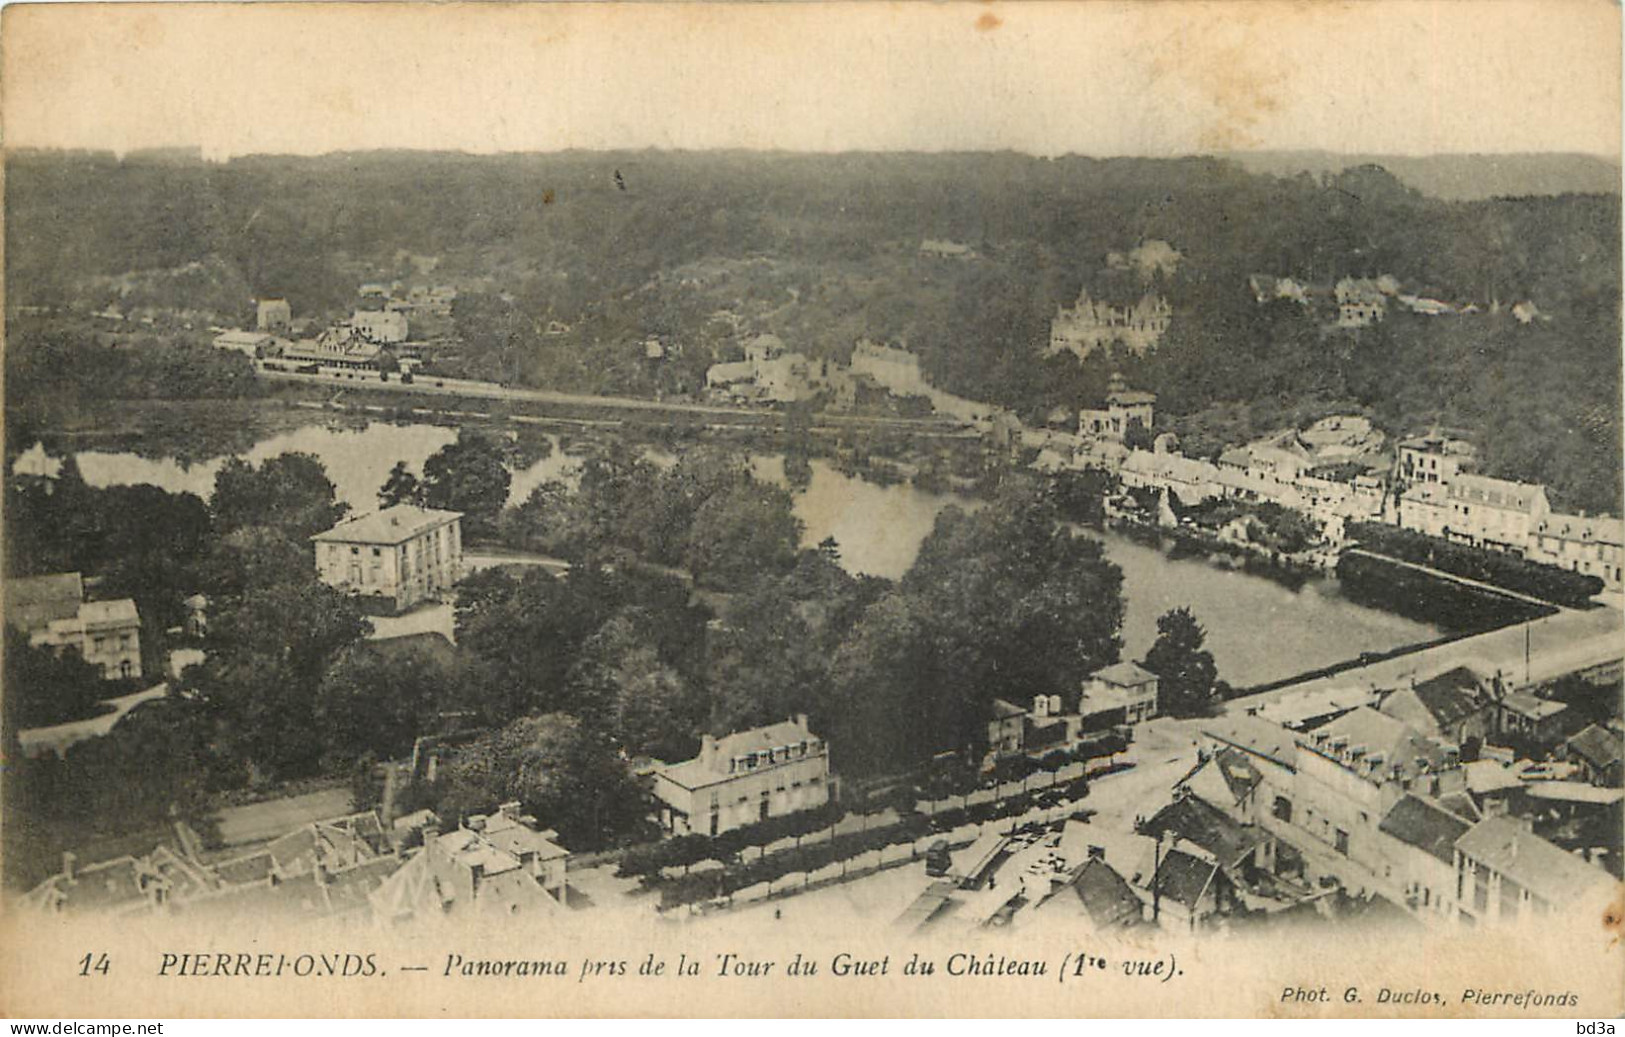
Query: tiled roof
1598,746
1107,897
1206,826
1426,826
1183,878
390,526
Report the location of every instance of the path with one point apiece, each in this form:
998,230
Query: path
1557,645
59,737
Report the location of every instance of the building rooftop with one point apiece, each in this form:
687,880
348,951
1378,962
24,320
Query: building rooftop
1561,879
1205,825
1597,745
390,526
713,763
1496,493
1527,705
1425,825
1375,745
32,602
1256,736
1599,529
1124,674
109,613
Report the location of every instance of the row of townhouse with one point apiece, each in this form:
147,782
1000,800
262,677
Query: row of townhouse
1440,497
1386,810
1255,475
1434,493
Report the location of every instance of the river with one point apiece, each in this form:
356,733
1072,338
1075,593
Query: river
1258,630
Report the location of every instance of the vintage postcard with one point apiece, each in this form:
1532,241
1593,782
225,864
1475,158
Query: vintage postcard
813,509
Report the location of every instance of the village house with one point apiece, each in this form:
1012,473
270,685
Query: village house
1352,770
1507,875
1494,513
1597,751
742,779
1594,546
1453,707
274,316
1530,719
1123,693
1124,407
340,346
385,327
1432,458
52,612
496,867
1418,838
394,558
1362,302
249,343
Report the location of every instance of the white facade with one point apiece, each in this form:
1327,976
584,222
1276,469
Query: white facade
397,557
745,778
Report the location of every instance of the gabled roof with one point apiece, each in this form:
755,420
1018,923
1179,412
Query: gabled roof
390,526
1426,826
1107,898
1597,745
1446,699
1124,674
1206,826
1184,877
1256,736
1003,710
1559,878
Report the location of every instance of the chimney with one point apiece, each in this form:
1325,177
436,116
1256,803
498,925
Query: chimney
509,810
70,865
1040,706
801,720
476,823
708,750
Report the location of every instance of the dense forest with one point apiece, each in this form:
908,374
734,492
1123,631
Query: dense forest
824,250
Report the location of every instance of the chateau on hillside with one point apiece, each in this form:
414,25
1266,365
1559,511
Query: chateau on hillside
1090,325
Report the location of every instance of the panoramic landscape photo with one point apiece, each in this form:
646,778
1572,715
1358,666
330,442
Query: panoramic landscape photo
933,541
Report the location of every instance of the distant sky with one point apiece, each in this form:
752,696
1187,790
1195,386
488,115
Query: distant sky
1153,77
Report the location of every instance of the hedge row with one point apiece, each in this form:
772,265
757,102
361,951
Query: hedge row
1508,571
692,888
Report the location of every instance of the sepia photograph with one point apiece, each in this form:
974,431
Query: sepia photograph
813,509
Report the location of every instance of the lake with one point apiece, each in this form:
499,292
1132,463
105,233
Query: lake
1258,630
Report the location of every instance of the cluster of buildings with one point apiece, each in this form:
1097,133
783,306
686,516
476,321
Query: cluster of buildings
1360,302
382,320
350,869
1410,798
1339,470
1440,496
1123,694
52,612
